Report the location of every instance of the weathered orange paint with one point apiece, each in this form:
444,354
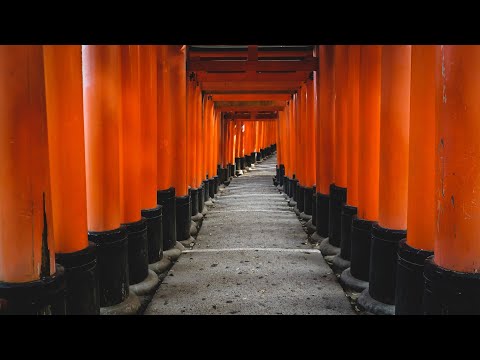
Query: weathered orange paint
199,138
191,133
369,131
352,88
294,139
231,149
165,166
289,166
301,131
421,214
242,139
25,180
210,133
394,132
102,105
178,91
148,120
457,150
325,133
280,123
130,136
238,131
341,116
256,136
311,117
66,145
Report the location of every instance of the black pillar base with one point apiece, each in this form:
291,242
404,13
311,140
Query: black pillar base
206,186
348,212
307,200
314,206
154,219
259,155
295,185
338,197
383,263
242,163
361,235
253,157
81,281
216,184
286,183
45,296
410,283
300,198
201,198
194,201
248,160
211,187
112,265
322,221
225,175
184,218
237,165
282,174
166,198
137,251
231,167
449,292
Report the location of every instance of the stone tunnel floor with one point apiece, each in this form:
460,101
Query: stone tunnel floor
251,256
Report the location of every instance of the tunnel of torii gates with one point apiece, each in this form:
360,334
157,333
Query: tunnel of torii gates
112,154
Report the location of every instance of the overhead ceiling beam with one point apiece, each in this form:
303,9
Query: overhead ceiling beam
253,76
309,64
251,97
250,108
251,86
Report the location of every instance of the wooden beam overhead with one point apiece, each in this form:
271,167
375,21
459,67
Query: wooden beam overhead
253,76
251,86
251,97
309,64
250,108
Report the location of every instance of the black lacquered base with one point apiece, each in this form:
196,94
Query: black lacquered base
81,281
41,297
112,265
449,292
166,198
338,197
410,282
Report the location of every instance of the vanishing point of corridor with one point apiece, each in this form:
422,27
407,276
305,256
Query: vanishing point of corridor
251,256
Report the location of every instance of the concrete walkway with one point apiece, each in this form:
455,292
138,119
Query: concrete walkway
251,257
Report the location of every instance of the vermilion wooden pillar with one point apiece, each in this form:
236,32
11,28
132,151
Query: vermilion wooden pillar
287,154
178,91
338,190
281,145
238,141
242,145
356,277
30,282
130,153
325,139
102,106
301,149
197,187
148,158
209,149
295,151
310,153
421,212
349,209
394,135
165,148
451,276
191,153
64,100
